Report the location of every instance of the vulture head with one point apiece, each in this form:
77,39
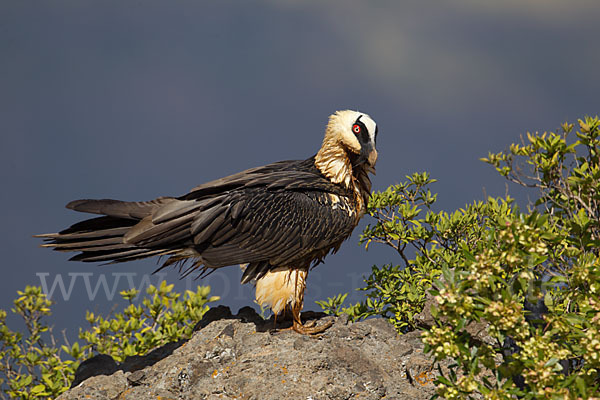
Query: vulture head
349,144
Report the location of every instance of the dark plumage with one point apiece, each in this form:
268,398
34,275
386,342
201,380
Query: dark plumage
289,214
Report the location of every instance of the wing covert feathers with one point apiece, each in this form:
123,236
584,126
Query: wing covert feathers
282,214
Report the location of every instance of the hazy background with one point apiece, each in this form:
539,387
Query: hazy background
137,99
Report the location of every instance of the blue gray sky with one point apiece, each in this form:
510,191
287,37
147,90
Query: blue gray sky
138,99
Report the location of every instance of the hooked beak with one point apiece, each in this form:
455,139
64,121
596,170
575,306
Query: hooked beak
367,158
371,160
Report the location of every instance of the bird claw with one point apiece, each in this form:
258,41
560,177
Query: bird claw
310,324
311,329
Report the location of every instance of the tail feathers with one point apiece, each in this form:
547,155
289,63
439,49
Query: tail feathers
117,208
90,229
127,230
92,237
117,255
99,239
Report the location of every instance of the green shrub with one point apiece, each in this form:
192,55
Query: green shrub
159,319
491,263
34,366
424,240
549,254
491,285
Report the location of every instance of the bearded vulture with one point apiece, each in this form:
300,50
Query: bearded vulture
279,220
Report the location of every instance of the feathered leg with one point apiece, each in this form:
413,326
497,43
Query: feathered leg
297,305
283,287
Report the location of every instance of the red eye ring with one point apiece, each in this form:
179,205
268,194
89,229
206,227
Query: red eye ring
356,129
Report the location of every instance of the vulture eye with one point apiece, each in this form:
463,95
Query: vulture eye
356,129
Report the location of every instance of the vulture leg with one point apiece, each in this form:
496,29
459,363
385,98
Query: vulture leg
283,287
296,307
311,329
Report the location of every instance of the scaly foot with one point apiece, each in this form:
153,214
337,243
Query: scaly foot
310,329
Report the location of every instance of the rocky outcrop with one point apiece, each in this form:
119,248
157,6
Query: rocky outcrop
242,357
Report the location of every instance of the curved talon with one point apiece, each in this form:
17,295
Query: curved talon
294,304
310,329
311,324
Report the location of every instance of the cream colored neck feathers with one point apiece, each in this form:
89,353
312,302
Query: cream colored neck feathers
332,159
333,162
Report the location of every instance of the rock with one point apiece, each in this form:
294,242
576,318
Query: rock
242,357
136,378
100,364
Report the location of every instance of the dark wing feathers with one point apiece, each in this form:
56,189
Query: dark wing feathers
282,227
279,214
175,209
146,232
288,175
202,220
236,181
